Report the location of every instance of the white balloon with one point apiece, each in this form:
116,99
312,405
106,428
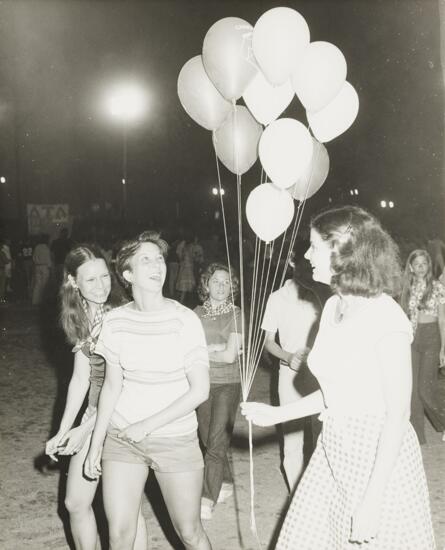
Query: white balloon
337,116
265,101
279,38
320,75
269,211
285,150
314,175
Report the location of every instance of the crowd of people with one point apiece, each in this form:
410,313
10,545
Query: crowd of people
360,347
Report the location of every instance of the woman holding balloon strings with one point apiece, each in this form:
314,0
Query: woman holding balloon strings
423,299
221,321
88,290
365,482
156,376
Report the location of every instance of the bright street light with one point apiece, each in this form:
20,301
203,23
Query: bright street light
383,204
2,179
216,191
391,204
126,103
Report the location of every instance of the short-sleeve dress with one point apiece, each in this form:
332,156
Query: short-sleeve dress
344,359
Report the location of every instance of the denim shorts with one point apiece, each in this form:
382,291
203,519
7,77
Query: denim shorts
163,454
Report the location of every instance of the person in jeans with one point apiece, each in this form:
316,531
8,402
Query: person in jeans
221,321
423,299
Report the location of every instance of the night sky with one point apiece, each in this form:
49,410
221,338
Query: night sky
57,59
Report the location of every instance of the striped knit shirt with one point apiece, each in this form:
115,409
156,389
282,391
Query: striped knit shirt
155,351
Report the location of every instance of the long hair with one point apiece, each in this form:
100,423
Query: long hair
203,287
73,318
408,279
364,258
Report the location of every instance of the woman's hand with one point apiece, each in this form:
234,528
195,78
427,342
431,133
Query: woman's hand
92,468
260,413
134,433
74,440
365,521
51,447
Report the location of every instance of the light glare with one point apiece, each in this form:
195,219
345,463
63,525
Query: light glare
127,102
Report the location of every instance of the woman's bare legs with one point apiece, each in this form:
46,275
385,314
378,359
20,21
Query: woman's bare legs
78,501
182,496
123,487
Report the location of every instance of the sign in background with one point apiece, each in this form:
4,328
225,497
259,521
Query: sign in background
47,218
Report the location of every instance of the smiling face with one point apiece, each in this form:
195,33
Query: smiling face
93,281
147,268
420,266
319,256
219,286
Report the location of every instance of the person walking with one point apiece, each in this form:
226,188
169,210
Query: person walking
221,320
423,300
365,483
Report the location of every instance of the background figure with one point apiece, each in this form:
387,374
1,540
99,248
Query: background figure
423,300
60,248
292,311
42,265
172,268
186,282
87,291
5,268
365,482
157,347
221,321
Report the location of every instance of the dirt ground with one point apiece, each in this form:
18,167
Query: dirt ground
34,370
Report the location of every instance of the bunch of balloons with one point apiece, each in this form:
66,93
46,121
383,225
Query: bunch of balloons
267,65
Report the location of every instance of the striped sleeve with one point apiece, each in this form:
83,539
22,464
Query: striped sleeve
194,343
108,344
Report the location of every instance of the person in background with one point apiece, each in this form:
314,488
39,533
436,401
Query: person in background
156,376
5,268
221,320
87,292
365,482
423,300
292,312
42,263
60,248
186,281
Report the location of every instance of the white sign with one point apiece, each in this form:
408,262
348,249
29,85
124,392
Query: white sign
45,218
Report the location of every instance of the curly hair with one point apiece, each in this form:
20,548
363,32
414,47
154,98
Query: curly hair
129,249
408,279
72,314
203,287
365,259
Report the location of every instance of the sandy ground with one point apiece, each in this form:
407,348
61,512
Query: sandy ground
34,370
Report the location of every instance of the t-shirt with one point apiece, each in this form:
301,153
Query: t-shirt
217,329
294,319
344,357
155,351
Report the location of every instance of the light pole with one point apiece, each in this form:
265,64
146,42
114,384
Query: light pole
126,104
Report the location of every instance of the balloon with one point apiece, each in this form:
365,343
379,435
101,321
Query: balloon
337,116
227,56
320,75
266,102
236,140
285,150
314,174
269,211
199,97
279,38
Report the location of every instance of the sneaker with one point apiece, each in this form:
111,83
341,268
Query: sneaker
225,492
206,508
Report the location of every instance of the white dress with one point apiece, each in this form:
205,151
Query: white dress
344,361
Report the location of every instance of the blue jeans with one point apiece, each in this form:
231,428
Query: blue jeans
216,418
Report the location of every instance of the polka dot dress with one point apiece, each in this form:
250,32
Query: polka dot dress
319,517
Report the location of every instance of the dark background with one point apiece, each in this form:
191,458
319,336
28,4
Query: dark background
57,145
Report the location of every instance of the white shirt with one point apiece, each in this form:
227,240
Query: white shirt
344,357
291,317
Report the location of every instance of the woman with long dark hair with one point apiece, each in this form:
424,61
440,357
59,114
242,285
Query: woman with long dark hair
423,300
365,482
88,291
